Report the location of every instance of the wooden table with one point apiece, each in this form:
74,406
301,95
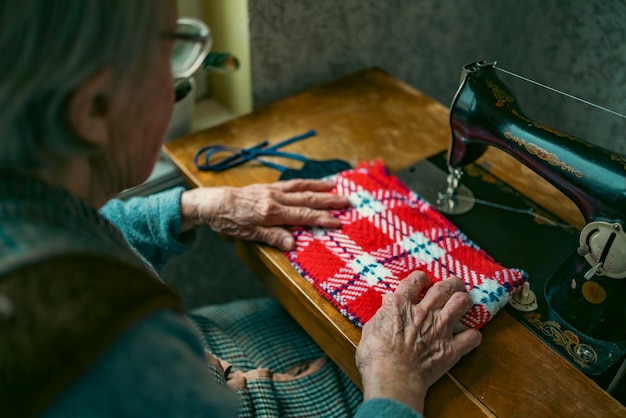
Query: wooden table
368,115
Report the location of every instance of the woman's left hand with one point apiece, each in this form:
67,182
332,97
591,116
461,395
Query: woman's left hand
261,212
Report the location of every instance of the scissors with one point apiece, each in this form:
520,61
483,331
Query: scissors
206,157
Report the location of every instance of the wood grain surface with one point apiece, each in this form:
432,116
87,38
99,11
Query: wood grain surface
371,115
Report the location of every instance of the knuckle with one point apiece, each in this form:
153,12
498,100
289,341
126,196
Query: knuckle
248,234
386,297
269,193
266,236
265,207
314,197
314,214
456,281
394,299
467,299
445,287
418,277
304,213
305,198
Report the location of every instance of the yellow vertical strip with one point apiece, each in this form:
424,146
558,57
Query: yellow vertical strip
189,8
228,20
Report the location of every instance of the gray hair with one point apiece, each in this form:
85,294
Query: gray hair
47,49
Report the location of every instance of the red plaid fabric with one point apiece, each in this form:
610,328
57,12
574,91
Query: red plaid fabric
387,233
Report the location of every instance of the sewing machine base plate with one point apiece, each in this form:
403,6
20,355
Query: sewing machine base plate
520,240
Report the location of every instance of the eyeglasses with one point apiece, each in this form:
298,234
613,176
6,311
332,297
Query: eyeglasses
192,42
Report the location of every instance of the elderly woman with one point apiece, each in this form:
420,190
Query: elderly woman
86,326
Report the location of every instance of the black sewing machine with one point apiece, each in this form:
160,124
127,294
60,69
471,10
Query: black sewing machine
575,299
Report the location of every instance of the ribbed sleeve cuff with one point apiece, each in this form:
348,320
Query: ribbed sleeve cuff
382,408
170,218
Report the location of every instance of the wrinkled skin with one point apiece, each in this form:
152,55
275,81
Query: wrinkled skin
263,212
408,344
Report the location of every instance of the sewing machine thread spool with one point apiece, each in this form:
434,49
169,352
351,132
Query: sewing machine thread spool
524,299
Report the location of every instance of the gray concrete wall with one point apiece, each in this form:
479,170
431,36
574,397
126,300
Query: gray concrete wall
575,46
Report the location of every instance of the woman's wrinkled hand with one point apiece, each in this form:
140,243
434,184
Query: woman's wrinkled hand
408,344
262,212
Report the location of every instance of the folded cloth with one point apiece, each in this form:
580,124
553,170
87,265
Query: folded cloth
387,233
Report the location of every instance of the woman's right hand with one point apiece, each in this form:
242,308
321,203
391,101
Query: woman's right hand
408,344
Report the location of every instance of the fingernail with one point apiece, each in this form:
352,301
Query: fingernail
287,244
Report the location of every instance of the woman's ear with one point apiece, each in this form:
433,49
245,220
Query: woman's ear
90,108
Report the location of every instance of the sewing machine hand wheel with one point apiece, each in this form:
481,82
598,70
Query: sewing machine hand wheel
603,245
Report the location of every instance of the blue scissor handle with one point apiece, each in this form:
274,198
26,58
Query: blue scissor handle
239,155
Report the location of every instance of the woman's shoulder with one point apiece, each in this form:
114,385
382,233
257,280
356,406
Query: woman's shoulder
65,312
